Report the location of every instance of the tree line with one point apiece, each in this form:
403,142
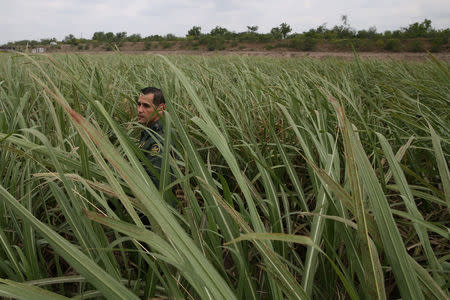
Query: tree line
304,41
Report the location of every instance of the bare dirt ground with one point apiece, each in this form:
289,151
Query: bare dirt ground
408,56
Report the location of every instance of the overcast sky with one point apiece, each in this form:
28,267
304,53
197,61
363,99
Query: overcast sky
26,19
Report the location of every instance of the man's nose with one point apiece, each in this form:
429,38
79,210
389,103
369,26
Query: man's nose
140,108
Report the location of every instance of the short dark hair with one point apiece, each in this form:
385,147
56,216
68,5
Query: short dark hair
159,97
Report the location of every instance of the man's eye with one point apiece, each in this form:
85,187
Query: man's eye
146,105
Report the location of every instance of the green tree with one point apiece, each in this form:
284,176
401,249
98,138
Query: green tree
99,36
319,32
418,29
170,37
367,34
285,29
70,39
344,31
344,19
135,37
276,32
219,31
120,36
155,37
252,29
195,32
47,41
109,36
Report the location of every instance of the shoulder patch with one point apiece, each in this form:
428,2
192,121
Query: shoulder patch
155,149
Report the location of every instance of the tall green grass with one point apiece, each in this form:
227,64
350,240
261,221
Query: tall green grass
300,179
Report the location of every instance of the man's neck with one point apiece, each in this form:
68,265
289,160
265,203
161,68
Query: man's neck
155,124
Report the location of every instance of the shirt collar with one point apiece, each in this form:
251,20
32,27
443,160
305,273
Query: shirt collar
156,125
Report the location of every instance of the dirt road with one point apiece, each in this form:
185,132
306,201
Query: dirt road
409,56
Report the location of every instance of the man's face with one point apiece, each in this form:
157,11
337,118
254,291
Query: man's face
147,111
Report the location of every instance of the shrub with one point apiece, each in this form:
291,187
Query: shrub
264,38
342,44
215,44
147,45
309,44
80,47
166,45
365,45
86,47
203,40
296,43
57,46
393,45
417,46
380,44
436,44
269,47
281,45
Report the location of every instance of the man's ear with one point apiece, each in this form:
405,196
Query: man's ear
162,106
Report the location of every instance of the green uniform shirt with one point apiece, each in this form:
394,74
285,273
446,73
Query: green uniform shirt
152,146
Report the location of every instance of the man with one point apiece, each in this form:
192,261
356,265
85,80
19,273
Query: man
150,108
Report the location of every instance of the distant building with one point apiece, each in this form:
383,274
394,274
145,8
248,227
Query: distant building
37,50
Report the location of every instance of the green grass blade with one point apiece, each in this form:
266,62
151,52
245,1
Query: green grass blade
110,287
24,291
373,279
442,165
303,240
429,285
11,256
410,204
395,250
